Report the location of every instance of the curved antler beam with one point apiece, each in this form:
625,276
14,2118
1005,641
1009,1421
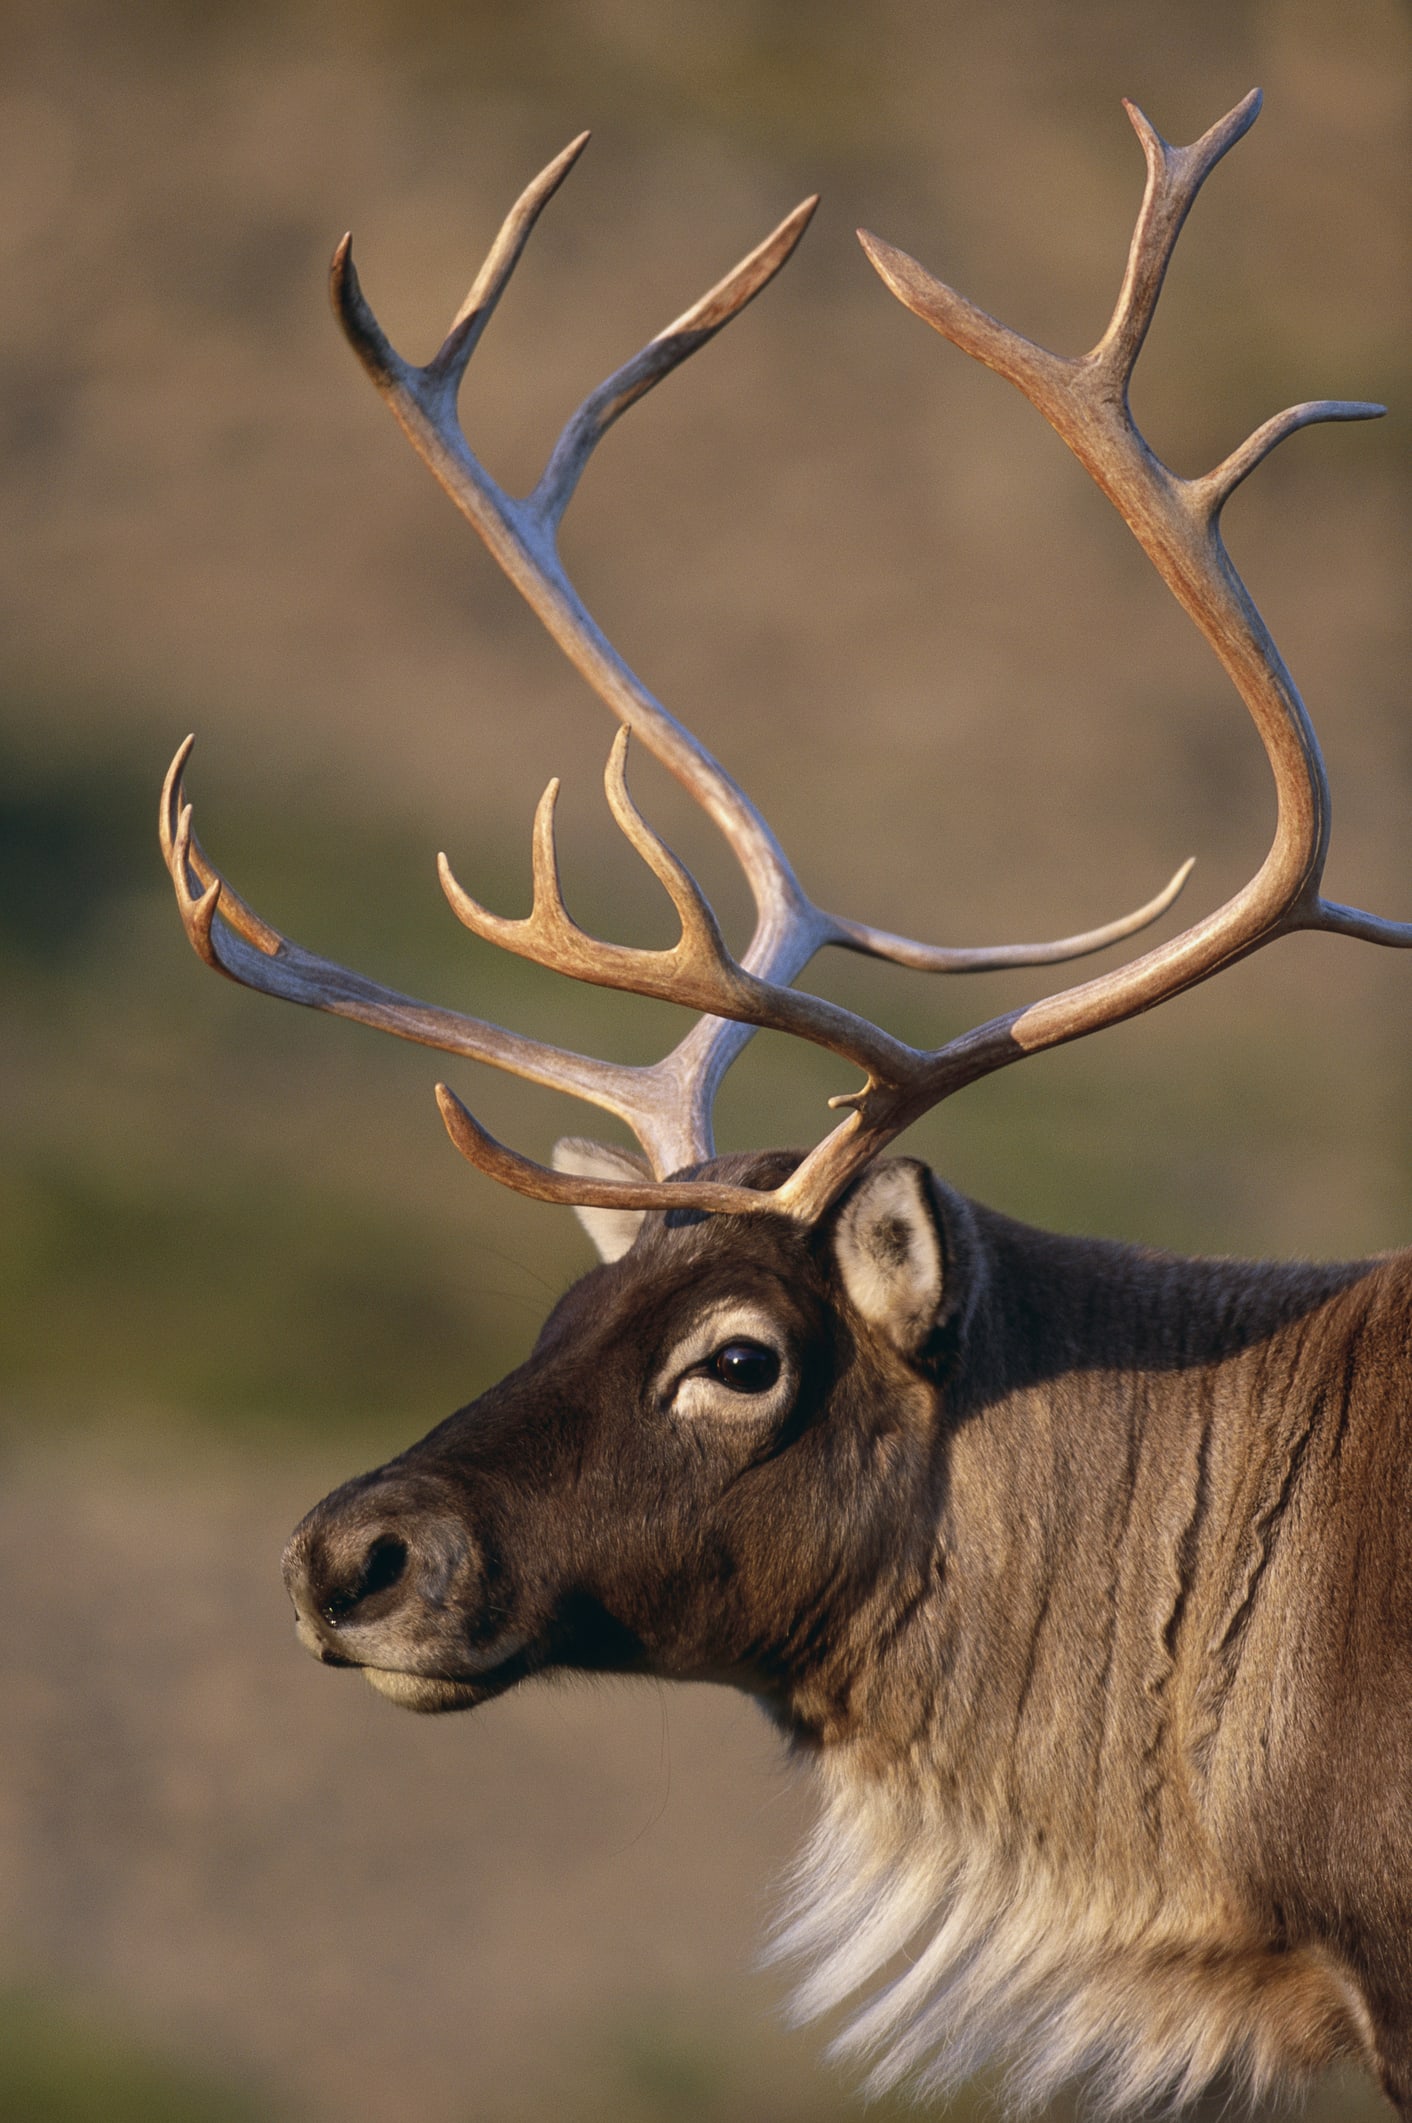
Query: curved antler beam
577,1190
1085,399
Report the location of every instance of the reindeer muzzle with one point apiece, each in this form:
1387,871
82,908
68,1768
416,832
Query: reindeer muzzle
386,1578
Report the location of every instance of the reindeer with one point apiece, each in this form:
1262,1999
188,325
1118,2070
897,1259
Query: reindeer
1076,1570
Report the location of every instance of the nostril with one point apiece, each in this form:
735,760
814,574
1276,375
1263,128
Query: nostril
383,1567
387,1559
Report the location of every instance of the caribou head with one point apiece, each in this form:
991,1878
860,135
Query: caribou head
718,1463
993,1523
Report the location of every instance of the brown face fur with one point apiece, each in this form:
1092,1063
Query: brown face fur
613,1506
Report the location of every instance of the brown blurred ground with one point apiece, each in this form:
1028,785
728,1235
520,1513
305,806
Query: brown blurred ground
240,1257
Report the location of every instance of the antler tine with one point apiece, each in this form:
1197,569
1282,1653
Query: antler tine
185,857
248,950
587,427
490,282
1006,958
1215,489
697,971
448,365
551,937
1174,177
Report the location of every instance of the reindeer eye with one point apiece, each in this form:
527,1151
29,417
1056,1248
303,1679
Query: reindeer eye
746,1367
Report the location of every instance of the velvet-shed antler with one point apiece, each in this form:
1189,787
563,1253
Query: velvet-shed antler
668,1104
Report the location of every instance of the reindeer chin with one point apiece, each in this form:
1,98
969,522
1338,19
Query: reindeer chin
426,1693
430,1693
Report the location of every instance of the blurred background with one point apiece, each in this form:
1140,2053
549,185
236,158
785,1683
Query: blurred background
240,1259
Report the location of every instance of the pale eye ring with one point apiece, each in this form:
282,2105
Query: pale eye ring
745,1367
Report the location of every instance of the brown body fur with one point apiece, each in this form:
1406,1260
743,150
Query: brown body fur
1156,1661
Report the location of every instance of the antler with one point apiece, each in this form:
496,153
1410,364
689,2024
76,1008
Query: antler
667,1105
1177,523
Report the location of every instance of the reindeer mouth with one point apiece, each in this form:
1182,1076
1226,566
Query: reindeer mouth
424,1692
433,1693
425,1676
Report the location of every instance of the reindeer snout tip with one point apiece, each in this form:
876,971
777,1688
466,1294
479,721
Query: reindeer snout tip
372,1565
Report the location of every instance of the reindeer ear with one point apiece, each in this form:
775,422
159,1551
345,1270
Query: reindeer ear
887,1243
612,1230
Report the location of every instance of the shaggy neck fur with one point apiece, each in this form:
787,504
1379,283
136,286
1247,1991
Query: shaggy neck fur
1056,1866
1008,1959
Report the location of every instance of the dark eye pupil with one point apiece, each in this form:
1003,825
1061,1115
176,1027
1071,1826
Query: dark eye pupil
746,1367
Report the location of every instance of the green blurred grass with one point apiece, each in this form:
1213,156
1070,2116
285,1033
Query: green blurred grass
60,2065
